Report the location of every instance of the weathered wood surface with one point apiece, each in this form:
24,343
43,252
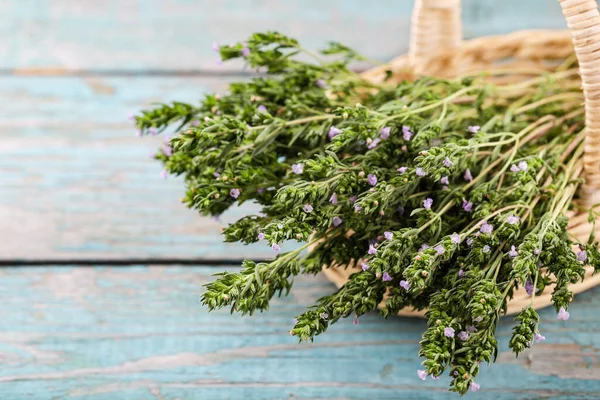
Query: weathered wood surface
58,36
75,182
140,333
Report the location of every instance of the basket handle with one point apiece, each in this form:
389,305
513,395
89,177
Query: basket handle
583,20
435,25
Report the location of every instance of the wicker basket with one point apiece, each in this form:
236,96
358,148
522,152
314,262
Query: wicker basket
436,49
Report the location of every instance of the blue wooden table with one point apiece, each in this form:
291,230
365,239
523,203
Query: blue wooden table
77,187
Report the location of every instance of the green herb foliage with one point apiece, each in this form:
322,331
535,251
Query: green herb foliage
450,194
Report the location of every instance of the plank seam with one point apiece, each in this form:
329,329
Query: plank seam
124,262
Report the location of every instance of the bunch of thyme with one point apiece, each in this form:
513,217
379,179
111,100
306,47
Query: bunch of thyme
448,194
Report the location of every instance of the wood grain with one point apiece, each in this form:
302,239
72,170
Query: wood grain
140,333
59,36
75,182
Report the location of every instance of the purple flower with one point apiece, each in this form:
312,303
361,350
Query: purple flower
468,177
486,249
405,285
321,83
427,203
447,162
514,168
512,220
215,46
419,171
463,336
216,174
372,249
219,60
298,168
294,321
372,179
261,109
167,150
563,314
469,241
353,198
439,249
138,133
471,329
539,338
461,273
467,205
333,132
474,387
385,132
260,190
388,235
324,315
444,180
536,251
581,256
455,238
424,246
374,143
275,247
195,123
261,236
234,193
474,129
386,277
307,208
422,374
513,252
245,52
355,322
364,266
357,208
486,228
406,133
529,287
449,332
337,221
333,199
402,170
153,131
523,165
164,174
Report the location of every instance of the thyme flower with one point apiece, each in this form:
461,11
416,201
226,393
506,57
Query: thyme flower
385,132
298,168
563,314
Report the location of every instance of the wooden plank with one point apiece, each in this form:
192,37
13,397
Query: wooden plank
140,333
57,36
75,182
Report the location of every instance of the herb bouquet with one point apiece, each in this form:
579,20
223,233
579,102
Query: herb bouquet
446,195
